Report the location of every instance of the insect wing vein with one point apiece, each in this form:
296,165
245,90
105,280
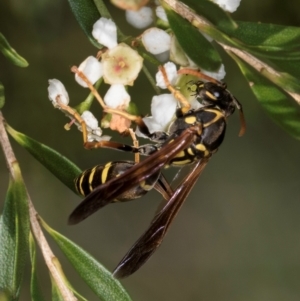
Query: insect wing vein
147,244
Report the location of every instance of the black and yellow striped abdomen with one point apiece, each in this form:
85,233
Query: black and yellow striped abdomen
91,178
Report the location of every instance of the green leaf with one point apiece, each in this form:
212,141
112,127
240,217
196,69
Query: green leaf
2,96
14,233
288,66
269,40
279,105
65,170
92,272
213,13
194,44
56,295
11,54
86,14
270,36
35,289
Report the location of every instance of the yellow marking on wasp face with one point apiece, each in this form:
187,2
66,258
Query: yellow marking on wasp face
200,147
210,95
190,119
91,176
105,172
218,115
206,153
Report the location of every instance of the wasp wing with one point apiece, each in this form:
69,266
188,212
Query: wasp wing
106,193
147,244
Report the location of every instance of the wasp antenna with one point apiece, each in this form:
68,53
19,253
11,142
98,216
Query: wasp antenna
243,123
242,116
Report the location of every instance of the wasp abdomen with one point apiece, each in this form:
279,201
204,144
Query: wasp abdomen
100,174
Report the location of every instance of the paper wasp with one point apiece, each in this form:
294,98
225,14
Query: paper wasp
192,138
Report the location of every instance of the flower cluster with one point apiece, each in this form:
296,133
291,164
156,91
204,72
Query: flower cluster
118,64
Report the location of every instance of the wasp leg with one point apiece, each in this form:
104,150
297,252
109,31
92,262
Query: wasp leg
135,144
177,94
163,187
110,144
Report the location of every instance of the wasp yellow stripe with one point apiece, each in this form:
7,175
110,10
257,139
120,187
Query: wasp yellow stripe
105,171
218,116
79,181
190,119
91,177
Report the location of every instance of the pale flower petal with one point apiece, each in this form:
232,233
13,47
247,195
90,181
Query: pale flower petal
163,108
141,18
105,32
160,13
90,120
92,69
172,75
218,75
117,96
152,126
121,65
156,40
57,89
94,133
228,5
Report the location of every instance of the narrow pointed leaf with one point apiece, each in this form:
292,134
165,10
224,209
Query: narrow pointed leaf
213,13
86,14
35,289
65,170
288,66
194,44
92,272
2,96
270,39
56,295
11,53
14,233
278,104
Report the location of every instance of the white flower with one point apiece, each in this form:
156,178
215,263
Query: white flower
90,119
228,5
93,130
57,89
92,69
105,32
141,18
172,75
121,65
160,13
117,96
163,108
156,40
218,75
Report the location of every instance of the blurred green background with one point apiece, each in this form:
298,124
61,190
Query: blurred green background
238,235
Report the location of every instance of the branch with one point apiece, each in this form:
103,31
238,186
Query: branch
198,21
48,255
